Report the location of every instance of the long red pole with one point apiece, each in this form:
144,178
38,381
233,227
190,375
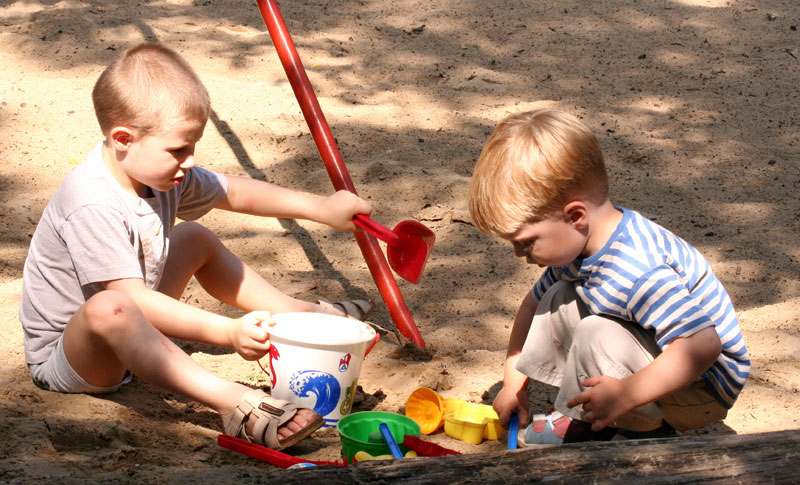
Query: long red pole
376,261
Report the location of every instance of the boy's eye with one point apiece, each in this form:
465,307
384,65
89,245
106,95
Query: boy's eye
180,153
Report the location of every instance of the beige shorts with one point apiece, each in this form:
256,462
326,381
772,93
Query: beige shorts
566,344
56,374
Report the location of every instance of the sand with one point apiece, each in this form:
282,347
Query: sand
695,104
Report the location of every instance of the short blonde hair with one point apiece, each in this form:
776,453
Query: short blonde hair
146,87
531,166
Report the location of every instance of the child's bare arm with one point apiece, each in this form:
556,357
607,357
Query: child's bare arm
260,198
513,396
176,319
680,364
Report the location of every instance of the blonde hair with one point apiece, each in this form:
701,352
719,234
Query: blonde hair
531,166
145,88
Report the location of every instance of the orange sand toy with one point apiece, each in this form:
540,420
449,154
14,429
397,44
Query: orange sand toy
466,421
426,407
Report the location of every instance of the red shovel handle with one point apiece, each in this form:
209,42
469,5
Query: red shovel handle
334,164
267,455
381,232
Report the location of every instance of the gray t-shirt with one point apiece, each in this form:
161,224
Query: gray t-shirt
94,231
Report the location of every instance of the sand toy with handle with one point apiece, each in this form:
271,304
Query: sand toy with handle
408,245
513,429
337,171
390,442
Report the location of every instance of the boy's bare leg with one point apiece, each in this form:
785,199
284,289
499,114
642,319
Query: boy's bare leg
196,251
109,334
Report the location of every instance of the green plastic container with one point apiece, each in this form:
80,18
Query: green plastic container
360,432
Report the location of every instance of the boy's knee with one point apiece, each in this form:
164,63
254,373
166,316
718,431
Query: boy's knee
193,235
595,333
609,342
191,230
108,309
590,329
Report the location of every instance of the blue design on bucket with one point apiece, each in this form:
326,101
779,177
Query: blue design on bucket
321,384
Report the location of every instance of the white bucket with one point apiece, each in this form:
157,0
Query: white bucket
315,360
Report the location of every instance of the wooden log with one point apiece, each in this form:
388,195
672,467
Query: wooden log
743,459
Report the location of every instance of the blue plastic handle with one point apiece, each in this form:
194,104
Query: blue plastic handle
389,439
513,430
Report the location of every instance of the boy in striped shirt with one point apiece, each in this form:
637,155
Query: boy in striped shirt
628,320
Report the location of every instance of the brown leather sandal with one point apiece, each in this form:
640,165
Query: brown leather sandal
270,415
355,309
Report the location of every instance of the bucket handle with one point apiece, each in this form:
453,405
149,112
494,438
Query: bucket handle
375,341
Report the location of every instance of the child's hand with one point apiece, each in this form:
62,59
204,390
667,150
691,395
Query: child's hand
249,335
606,401
339,209
510,401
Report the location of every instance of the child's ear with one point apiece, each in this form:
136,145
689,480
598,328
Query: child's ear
577,214
121,138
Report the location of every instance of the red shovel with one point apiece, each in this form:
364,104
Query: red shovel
339,175
408,245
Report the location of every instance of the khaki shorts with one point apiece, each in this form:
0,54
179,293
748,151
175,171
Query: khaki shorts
57,375
566,344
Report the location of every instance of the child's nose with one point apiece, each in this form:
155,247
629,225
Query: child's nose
187,163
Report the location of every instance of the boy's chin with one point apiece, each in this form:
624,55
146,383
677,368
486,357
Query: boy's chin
545,264
533,261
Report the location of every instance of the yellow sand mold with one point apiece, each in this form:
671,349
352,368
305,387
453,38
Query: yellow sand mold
470,422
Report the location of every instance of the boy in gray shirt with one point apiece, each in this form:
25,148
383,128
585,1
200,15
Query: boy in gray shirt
107,264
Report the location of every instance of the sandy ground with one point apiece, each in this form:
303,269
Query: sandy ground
695,103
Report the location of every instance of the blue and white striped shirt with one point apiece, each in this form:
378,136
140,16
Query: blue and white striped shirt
648,275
